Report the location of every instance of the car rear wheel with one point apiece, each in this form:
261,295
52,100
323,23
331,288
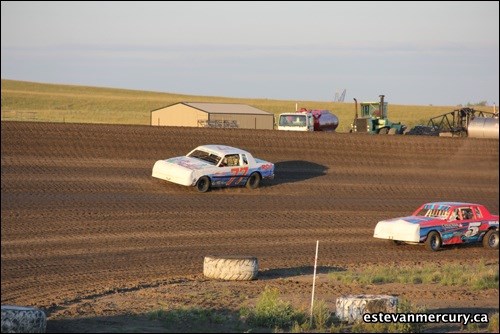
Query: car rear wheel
490,239
433,241
203,184
253,181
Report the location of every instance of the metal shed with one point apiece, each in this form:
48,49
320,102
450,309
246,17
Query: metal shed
220,115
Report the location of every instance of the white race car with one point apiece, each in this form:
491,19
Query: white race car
214,166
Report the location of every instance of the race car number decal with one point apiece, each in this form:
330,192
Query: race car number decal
235,172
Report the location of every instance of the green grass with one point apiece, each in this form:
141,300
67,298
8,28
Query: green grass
478,276
188,315
493,324
43,102
271,312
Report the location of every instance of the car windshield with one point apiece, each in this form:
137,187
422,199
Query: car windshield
205,156
435,213
293,120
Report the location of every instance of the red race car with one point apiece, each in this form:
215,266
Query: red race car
442,223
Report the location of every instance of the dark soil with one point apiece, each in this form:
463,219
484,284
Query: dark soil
90,237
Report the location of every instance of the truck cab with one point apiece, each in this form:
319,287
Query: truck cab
296,121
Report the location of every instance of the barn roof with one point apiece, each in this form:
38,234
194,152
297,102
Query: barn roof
223,108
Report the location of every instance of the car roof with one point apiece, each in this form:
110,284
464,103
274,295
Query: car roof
442,205
221,149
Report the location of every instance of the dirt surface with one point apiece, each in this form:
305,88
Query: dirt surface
90,237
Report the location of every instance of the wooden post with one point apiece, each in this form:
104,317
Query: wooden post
314,279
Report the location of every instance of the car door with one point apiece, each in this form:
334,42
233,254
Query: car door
232,170
472,225
238,170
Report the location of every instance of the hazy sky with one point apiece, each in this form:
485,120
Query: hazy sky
440,53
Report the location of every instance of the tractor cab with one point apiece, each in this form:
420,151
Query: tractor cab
372,110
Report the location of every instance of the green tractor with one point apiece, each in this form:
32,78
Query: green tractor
373,119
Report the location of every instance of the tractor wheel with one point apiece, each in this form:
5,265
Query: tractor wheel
203,184
253,181
20,319
490,239
433,241
393,131
231,268
350,308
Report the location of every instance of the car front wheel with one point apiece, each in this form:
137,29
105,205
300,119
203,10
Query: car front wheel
203,184
490,239
253,181
433,241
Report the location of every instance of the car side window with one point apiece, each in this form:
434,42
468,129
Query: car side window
244,159
467,213
232,160
478,212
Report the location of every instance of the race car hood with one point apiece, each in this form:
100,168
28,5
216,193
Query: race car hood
188,162
413,219
179,169
401,229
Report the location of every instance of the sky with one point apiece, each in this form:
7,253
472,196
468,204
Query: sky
415,53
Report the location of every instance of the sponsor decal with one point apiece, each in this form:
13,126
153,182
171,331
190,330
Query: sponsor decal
451,226
266,166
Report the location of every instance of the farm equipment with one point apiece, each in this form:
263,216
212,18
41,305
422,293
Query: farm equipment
308,120
373,119
458,122
464,122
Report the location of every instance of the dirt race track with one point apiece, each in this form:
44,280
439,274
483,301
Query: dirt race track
82,217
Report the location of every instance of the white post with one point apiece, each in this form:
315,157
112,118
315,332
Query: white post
296,106
314,279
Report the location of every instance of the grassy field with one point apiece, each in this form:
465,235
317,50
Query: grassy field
43,102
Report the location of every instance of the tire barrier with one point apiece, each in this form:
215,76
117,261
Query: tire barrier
18,319
233,268
351,308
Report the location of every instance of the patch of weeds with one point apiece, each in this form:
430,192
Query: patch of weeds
321,316
488,280
493,324
187,315
271,312
479,276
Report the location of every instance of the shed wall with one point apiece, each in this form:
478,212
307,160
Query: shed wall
184,115
178,115
246,121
